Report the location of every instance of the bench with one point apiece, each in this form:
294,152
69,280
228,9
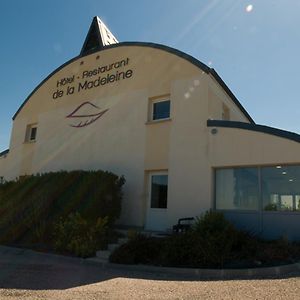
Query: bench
183,225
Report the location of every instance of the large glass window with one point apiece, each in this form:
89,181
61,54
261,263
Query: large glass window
276,189
281,188
237,189
159,191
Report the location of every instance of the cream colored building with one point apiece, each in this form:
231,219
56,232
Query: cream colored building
170,125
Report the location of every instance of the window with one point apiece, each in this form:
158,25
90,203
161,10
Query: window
272,188
280,188
160,109
31,132
237,189
159,191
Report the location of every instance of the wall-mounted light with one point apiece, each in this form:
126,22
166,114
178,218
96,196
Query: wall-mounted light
214,131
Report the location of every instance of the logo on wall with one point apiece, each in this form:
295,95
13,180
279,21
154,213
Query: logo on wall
85,114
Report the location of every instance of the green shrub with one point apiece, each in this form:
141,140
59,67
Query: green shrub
180,250
80,237
211,222
217,238
271,207
213,242
280,250
30,206
140,249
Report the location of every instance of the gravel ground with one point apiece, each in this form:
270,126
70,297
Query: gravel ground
126,288
30,276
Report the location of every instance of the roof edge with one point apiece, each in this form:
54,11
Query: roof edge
42,82
230,94
171,50
255,127
3,153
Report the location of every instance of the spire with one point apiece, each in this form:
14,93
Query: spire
98,37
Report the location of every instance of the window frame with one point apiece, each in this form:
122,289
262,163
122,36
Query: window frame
28,134
261,204
152,102
152,109
237,209
151,175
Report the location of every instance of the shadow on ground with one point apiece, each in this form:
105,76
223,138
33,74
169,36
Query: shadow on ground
23,269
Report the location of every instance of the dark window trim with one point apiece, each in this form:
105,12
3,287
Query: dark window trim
254,127
3,153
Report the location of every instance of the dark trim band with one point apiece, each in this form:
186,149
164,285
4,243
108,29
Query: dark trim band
4,152
174,51
254,127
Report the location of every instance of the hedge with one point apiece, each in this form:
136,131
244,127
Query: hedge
30,206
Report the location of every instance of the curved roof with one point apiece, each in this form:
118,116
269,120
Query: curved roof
174,51
254,127
3,153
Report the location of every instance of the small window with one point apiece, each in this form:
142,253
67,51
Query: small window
31,133
159,191
160,110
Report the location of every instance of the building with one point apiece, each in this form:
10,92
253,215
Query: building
170,125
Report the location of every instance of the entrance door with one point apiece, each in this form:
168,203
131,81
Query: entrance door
157,203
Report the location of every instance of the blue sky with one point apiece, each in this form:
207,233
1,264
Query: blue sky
253,45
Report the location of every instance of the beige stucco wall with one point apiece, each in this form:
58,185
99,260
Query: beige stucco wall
123,140
239,147
217,97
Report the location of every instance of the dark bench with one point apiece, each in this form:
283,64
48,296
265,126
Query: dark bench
183,225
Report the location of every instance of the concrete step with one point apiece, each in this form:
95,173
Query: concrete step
103,254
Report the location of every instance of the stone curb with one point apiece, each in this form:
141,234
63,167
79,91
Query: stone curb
250,273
